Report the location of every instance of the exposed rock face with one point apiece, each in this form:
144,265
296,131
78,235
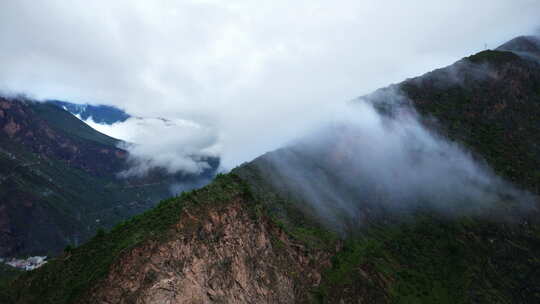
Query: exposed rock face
11,128
225,255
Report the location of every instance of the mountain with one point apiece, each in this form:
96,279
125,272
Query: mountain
252,236
102,114
58,181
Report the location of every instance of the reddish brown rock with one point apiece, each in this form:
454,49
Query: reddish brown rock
219,255
11,128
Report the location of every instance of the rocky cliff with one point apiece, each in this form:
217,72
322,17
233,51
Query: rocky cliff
219,254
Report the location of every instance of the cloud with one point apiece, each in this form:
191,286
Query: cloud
175,145
359,164
258,73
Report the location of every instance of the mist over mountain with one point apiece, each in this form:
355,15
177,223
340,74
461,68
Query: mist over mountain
269,152
363,163
424,191
177,146
377,155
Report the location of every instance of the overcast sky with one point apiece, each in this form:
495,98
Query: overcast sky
254,73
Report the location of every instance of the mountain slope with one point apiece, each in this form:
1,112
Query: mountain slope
493,111
490,103
58,180
249,235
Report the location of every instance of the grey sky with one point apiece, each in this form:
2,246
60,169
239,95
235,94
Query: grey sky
258,73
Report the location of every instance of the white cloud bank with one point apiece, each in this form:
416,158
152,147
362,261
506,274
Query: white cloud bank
175,145
255,74
359,165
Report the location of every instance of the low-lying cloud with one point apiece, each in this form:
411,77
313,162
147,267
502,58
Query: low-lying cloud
360,162
174,145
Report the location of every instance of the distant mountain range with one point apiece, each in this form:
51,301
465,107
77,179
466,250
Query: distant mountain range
102,114
248,237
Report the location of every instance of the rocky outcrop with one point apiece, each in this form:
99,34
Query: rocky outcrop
220,254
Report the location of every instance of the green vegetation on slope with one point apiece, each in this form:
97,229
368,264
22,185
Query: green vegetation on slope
63,121
494,112
421,258
293,216
67,206
434,260
8,274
